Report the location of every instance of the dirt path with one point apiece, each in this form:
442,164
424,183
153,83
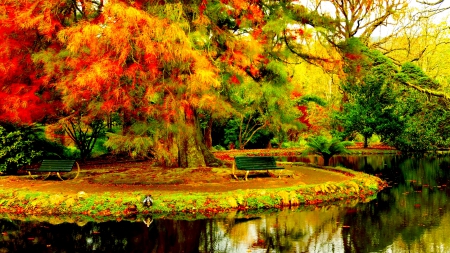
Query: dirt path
142,176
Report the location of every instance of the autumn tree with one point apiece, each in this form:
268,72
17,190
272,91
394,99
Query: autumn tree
126,60
152,67
24,98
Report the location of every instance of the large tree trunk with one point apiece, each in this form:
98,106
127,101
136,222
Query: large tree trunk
191,154
192,149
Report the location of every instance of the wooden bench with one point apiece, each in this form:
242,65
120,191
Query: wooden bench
52,166
249,163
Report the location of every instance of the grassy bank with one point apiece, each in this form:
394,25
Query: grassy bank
119,205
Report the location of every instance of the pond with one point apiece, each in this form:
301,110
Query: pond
412,215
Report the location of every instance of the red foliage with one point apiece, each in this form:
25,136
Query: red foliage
351,56
24,97
304,118
234,80
202,6
302,108
188,111
381,146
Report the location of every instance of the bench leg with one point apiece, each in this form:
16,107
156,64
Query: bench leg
59,175
32,176
45,177
233,170
78,170
246,174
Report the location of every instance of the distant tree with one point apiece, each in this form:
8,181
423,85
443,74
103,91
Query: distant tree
371,98
84,133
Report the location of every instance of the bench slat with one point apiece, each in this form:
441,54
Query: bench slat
56,165
254,163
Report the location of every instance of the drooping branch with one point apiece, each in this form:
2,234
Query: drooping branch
307,57
427,91
430,3
75,9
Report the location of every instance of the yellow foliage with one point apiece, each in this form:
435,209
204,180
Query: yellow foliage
293,198
317,188
20,196
55,220
353,186
284,195
233,203
56,199
240,199
70,202
38,203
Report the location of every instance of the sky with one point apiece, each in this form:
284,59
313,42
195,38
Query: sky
327,7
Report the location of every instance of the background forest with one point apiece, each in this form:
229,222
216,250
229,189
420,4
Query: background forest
174,80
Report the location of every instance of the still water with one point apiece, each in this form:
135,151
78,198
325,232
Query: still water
412,215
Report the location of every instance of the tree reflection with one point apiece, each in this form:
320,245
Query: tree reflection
413,215
161,236
409,210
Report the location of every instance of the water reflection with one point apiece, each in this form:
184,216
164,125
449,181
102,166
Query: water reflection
413,215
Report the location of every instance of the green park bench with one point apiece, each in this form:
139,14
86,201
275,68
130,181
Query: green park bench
249,163
54,166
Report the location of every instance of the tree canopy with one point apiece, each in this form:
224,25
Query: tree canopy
163,71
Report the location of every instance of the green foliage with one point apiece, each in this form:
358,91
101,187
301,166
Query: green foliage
372,97
413,74
326,148
99,147
71,152
426,124
219,148
84,132
311,98
135,146
382,102
16,149
425,118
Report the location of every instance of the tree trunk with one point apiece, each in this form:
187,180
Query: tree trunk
207,135
192,149
326,159
190,153
126,122
366,141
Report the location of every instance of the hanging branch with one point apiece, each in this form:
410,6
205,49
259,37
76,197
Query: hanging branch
427,91
308,58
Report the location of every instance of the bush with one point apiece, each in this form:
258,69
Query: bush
16,150
326,148
219,148
21,146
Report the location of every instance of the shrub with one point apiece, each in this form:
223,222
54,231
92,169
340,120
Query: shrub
326,148
16,150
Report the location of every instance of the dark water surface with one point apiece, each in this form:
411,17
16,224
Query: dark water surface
413,215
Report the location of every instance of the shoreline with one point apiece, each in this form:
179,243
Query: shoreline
188,205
